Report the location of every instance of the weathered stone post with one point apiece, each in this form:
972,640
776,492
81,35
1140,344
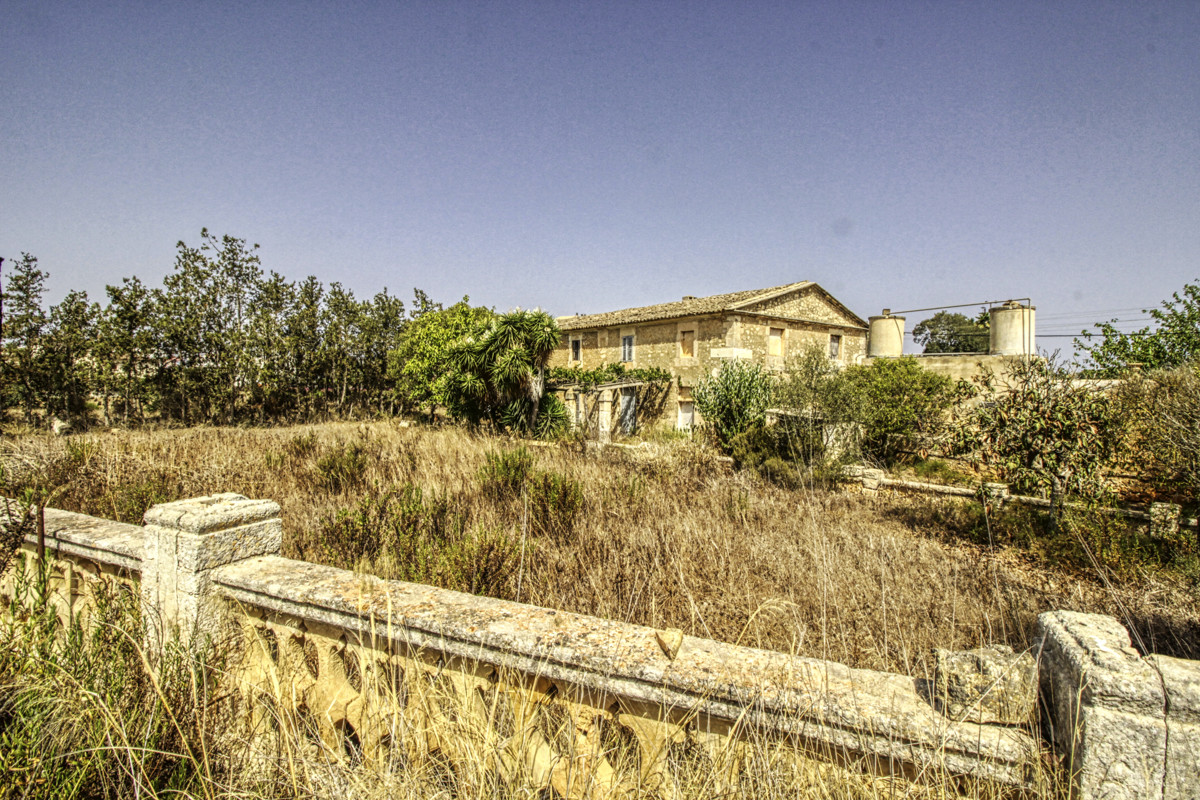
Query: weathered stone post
1129,725
872,479
185,541
1164,521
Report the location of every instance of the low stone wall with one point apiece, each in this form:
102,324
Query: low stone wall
552,690
1163,519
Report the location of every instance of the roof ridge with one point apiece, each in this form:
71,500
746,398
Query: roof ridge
688,306
767,294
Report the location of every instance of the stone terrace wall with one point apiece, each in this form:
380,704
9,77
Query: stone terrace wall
557,689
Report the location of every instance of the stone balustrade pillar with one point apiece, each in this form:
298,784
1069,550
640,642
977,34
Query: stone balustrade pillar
1164,521
1128,725
185,541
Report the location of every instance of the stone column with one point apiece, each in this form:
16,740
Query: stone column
997,492
604,429
995,495
185,541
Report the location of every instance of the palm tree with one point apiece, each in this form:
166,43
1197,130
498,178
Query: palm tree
500,371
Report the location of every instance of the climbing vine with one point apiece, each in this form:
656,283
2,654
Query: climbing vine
588,379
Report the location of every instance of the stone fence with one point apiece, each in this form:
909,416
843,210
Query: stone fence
580,704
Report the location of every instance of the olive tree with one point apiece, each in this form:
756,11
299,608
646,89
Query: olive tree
1043,430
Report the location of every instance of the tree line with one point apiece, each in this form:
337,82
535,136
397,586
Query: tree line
223,342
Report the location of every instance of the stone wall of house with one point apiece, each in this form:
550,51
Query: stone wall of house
717,337
809,304
752,335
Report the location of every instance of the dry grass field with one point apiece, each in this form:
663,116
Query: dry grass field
664,536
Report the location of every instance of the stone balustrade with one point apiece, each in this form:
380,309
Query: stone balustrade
586,706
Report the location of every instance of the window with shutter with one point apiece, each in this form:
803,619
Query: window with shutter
775,342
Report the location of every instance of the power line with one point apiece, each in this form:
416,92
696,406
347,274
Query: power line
1080,336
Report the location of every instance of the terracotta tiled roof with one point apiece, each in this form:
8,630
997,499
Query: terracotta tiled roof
689,306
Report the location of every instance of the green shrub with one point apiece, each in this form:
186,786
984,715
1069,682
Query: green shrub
550,501
766,449
902,407
481,562
504,473
300,446
343,468
554,502
128,502
781,472
734,400
821,422
404,534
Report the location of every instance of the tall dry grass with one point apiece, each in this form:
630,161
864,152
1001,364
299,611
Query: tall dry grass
667,541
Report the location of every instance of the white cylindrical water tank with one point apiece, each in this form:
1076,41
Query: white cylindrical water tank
1012,330
885,338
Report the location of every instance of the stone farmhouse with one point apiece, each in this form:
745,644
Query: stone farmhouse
690,338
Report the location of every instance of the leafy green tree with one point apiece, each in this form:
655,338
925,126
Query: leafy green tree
202,319
67,357
24,366
125,345
901,406
236,271
498,373
270,392
822,408
1162,411
419,366
947,332
343,322
189,323
735,399
1043,431
383,323
304,334
1173,340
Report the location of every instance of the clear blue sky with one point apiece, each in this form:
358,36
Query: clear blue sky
596,155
